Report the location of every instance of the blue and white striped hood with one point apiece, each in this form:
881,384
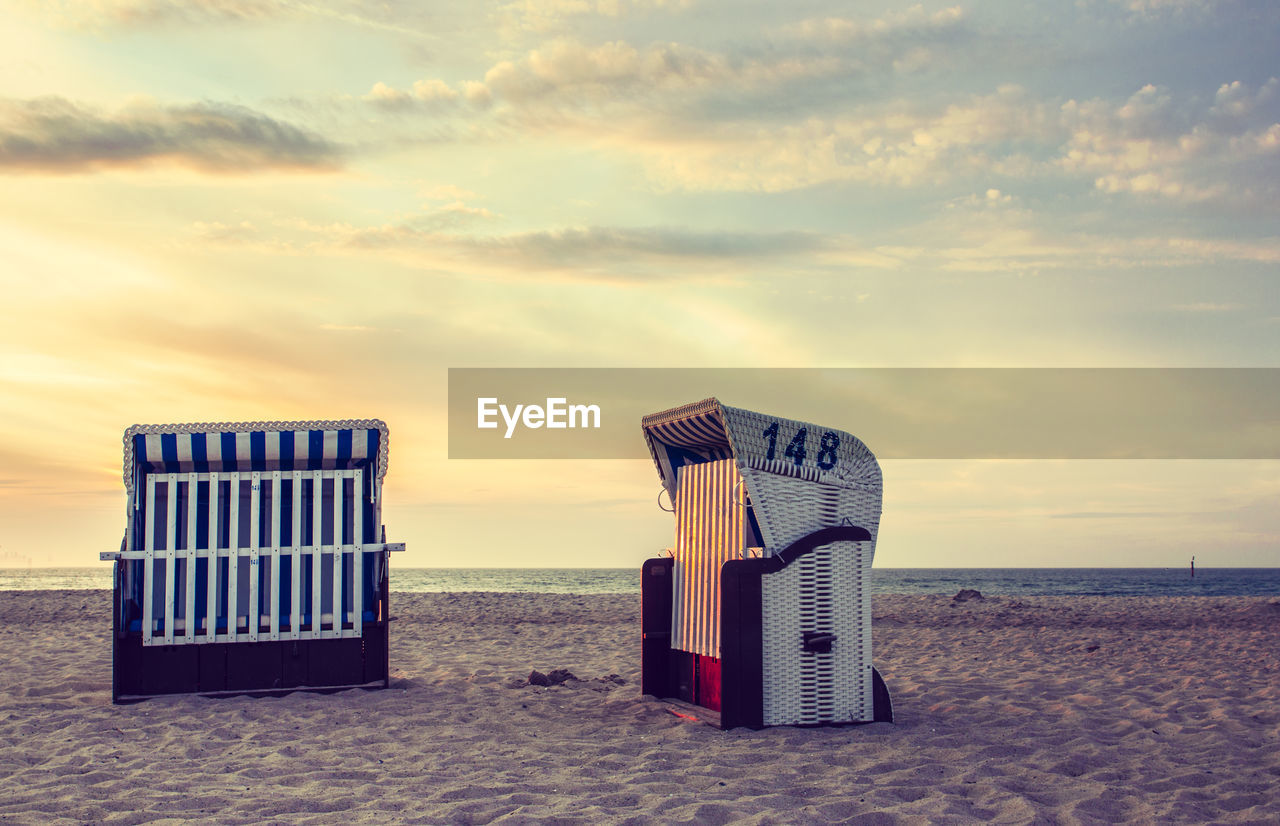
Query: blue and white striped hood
248,446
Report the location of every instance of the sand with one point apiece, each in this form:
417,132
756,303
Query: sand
1010,710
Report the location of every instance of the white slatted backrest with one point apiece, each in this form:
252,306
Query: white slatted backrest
181,617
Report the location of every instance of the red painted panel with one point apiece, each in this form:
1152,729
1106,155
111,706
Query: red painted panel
708,683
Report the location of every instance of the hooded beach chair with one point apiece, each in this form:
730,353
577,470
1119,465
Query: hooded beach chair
254,559
762,611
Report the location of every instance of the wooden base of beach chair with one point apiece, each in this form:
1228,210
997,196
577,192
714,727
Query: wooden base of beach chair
277,666
725,692
696,713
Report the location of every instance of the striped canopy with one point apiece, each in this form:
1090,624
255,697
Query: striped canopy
248,446
688,435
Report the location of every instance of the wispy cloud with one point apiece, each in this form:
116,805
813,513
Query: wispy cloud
611,254
53,134
995,232
447,192
155,12
548,15
589,253
912,20
389,15
987,232
1208,307
1152,8
225,233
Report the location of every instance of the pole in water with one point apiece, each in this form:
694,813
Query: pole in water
1193,567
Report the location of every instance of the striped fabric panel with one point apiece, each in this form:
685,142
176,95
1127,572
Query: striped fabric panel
255,450
709,532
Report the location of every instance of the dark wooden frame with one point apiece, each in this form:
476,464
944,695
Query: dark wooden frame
266,667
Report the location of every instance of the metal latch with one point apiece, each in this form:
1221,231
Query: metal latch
818,642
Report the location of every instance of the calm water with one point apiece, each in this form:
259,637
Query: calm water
1025,581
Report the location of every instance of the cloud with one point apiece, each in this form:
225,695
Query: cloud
571,69
1235,102
640,103
454,214
392,98
1208,307
914,20
53,134
74,13
1156,146
986,232
567,75
681,111
568,72
447,192
799,107
1152,145
660,242
435,240
397,16
1152,8
225,233
545,15
424,92
608,253
998,233
1000,133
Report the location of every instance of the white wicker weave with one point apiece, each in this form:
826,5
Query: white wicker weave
826,591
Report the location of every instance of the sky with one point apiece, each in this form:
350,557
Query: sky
237,210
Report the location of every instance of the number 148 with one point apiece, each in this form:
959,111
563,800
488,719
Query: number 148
796,450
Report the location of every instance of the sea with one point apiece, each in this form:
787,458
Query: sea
1208,582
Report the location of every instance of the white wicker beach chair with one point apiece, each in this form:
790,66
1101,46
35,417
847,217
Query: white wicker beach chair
254,559
762,612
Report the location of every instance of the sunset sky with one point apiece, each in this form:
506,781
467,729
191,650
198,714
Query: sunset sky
230,210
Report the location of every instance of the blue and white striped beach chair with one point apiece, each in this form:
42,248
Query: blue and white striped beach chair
762,612
254,559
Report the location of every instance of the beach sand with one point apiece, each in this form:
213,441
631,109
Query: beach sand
1010,710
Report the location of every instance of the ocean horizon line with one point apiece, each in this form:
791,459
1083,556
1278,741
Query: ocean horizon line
1029,581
